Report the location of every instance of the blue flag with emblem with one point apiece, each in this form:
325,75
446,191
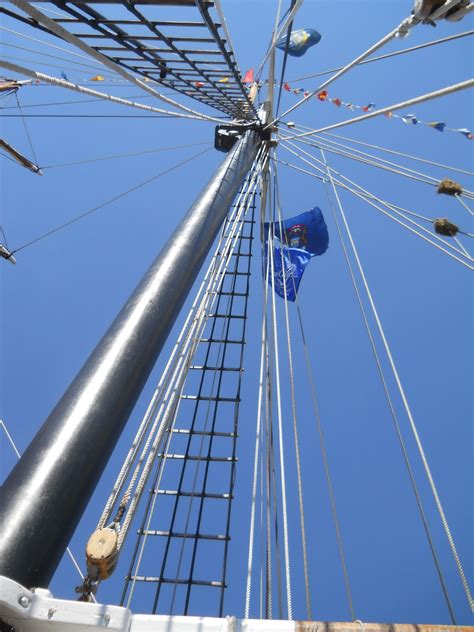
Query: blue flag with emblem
301,238
299,41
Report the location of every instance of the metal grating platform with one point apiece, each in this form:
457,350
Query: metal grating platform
180,44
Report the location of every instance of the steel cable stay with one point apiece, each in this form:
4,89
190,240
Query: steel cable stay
368,198
281,449
404,399
386,150
81,216
144,152
372,160
50,65
405,211
317,417
374,163
391,407
365,195
400,211
277,218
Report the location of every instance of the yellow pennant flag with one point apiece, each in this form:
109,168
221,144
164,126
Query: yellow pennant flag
97,78
224,80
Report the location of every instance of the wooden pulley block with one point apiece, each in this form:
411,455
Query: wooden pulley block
101,553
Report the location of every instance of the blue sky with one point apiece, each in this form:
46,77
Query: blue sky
65,290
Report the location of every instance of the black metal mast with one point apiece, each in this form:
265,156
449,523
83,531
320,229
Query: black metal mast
42,500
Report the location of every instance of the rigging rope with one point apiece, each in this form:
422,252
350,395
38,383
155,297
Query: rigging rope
126,155
62,83
400,170
106,203
365,195
76,41
423,176
276,202
34,39
276,36
286,546
28,135
257,447
391,406
343,70
285,59
463,203
398,210
396,153
387,55
407,410
82,66
463,85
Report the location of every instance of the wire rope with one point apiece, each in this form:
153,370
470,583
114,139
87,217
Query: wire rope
398,210
62,83
407,407
463,203
343,70
248,590
401,171
387,55
286,545
423,176
27,131
391,407
76,41
294,415
456,87
123,155
368,197
399,153
106,203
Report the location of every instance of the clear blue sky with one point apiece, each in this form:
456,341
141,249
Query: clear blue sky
64,291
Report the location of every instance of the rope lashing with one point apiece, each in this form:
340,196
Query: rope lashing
449,187
444,227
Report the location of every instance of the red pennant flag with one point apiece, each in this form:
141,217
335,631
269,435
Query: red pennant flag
198,84
306,93
337,102
322,96
249,77
286,87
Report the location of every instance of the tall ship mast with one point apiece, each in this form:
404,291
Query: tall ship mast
253,361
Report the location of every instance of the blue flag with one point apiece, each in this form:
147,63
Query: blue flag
304,236
288,267
299,41
307,231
